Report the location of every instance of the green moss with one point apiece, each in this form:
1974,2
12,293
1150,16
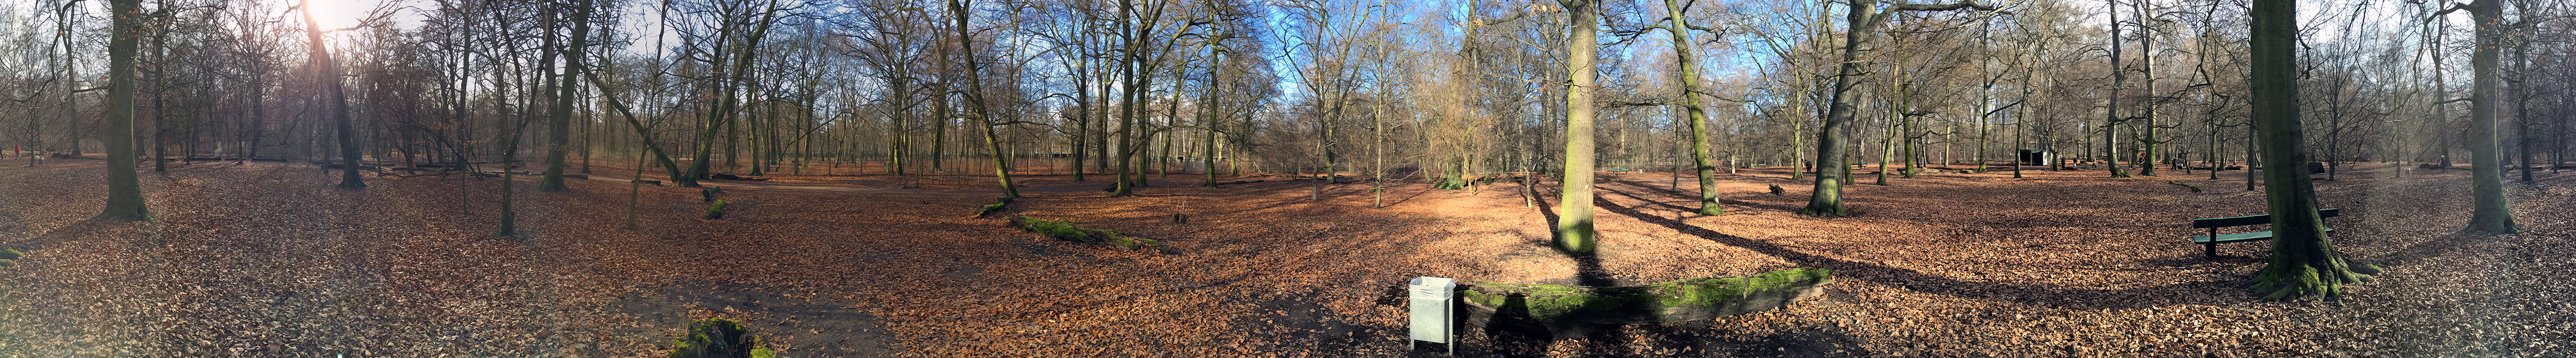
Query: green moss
1551,302
716,211
1132,243
1547,301
1449,184
719,338
1063,230
1711,290
11,254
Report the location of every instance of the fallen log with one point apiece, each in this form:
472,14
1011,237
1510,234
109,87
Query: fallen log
1065,230
383,173
2194,188
1569,311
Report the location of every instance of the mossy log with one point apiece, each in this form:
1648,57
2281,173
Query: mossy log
2194,188
1063,230
716,211
720,338
1449,184
1570,310
997,205
8,256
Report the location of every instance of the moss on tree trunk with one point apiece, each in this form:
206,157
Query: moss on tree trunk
2304,261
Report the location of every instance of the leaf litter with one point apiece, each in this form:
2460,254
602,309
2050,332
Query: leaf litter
267,260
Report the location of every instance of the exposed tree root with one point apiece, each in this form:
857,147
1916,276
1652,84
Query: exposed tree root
2324,279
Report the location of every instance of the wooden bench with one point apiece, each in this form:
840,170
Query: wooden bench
2211,241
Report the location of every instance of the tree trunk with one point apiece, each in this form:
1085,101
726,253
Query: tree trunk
1689,71
1831,173
1574,215
124,187
2111,112
2488,212
558,140
975,96
329,76
2147,140
2304,261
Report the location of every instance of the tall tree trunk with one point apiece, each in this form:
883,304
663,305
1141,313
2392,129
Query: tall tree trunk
558,140
1574,214
1208,103
1831,173
1081,136
160,89
1688,59
328,73
2522,104
2488,211
71,83
2111,112
124,187
2304,261
1831,145
974,96
2147,140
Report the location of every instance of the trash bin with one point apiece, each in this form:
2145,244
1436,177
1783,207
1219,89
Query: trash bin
1433,299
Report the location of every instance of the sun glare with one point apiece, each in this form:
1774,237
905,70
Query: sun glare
333,14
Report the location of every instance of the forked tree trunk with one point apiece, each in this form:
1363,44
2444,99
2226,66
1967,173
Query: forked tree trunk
558,140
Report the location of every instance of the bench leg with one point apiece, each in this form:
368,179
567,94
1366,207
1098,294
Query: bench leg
2211,248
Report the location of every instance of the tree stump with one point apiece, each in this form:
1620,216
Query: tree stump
720,338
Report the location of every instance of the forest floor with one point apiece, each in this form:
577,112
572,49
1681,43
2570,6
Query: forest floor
268,260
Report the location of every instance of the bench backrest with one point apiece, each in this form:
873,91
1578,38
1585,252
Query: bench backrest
2251,220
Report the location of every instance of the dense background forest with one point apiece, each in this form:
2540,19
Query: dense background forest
1388,90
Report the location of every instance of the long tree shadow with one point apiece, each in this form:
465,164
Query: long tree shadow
1406,198
1722,200
1512,336
1943,285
